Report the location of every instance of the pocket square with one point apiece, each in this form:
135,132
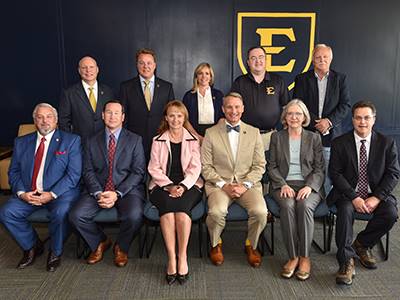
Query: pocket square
61,152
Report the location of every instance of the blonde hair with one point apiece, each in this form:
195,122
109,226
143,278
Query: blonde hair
321,46
181,107
303,108
197,70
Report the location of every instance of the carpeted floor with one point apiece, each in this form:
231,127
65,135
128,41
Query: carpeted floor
235,279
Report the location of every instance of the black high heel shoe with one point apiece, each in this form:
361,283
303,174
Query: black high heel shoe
171,278
182,278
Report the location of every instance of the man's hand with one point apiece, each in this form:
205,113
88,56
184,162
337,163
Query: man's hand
287,192
303,193
359,205
239,189
45,197
32,198
229,188
322,125
371,203
107,199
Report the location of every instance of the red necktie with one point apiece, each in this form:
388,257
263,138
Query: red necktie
111,153
362,186
38,162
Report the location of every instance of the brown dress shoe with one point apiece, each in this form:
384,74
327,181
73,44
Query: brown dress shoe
216,256
346,273
253,256
367,259
97,255
120,257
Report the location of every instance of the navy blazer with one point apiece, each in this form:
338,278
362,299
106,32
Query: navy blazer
75,114
138,118
190,101
383,168
129,163
336,105
62,169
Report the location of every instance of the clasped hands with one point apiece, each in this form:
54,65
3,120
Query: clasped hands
322,125
288,192
234,190
107,199
36,198
366,206
175,191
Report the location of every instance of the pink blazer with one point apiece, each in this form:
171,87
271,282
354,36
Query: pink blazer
190,160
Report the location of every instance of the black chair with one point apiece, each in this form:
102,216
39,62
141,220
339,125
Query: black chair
360,217
321,212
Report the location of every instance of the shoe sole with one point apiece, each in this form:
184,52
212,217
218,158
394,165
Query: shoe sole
344,282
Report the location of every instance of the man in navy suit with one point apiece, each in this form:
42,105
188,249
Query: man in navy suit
364,169
82,103
144,98
44,172
114,173
326,94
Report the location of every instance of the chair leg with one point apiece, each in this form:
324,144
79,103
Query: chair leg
152,242
200,229
387,246
272,238
330,230
316,245
141,243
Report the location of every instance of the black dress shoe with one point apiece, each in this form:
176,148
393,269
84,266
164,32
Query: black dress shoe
30,255
170,278
53,262
182,278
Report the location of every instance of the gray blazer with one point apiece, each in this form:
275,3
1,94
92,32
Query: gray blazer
311,157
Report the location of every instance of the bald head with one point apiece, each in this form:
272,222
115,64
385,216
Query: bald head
88,70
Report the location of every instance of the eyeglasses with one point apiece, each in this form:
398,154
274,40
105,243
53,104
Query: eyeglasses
366,118
294,114
259,58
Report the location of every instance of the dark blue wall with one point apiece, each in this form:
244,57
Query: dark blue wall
42,42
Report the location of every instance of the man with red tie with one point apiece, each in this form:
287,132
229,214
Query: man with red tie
364,169
44,172
113,173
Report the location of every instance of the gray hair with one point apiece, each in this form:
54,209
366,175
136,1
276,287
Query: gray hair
303,108
234,95
320,46
44,105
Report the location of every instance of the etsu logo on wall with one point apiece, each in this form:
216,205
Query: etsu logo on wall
287,38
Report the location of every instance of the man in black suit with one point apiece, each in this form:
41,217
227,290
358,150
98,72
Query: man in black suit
364,169
81,104
114,169
326,94
144,98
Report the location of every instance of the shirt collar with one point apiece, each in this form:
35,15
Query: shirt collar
359,139
116,133
229,124
86,86
208,92
325,76
47,136
142,80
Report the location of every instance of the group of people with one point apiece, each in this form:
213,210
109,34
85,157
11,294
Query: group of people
222,144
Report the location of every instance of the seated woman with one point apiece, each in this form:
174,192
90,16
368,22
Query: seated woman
203,102
296,172
175,186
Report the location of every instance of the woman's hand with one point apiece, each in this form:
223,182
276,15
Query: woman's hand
176,191
303,193
287,192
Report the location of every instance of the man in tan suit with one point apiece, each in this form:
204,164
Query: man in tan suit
233,162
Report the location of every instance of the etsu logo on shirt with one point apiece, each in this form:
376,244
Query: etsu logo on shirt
287,38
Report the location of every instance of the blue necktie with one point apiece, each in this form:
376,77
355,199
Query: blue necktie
229,128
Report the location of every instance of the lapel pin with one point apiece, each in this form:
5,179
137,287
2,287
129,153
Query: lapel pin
57,139
158,85
101,92
244,132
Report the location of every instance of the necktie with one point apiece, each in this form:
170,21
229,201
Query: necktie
229,128
362,186
111,153
38,162
92,99
147,95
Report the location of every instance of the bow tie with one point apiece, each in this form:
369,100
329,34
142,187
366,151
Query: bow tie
229,128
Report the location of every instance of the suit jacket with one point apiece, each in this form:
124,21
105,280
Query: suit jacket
75,114
383,168
218,161
336,105
138,118
129,166
312,162
62,168
191,102
160,160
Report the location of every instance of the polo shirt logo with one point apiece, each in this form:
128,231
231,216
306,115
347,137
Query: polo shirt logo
270,90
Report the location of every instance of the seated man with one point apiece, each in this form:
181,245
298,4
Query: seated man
233,161
114,171
45,170
364,170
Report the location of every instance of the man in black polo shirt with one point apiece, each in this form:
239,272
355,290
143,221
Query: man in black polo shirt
264,94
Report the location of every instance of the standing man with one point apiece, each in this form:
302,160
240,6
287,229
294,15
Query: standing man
364,169
232,155
264,94
114,171
326,94
144,98
45,170
81,104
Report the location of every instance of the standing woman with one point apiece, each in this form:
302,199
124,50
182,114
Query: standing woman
203,102
296,172
175,186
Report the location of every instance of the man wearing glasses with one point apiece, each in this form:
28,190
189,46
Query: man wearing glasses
364,170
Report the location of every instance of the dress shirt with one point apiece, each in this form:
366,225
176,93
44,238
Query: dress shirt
367,147
322,84
87,91
205,107
143,84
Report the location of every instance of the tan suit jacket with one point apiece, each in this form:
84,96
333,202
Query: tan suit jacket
218,163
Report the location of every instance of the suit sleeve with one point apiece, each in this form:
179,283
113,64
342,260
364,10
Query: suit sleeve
209,172
74,169
274,174
343,107
155,166
284,94
64,112
316,179
14,172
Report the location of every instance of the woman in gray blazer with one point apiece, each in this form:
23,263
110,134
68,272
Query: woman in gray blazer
296,172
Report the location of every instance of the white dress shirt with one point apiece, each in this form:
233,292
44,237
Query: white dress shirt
87,91
205,107
39,180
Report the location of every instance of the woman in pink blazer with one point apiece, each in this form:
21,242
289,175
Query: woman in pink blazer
175,186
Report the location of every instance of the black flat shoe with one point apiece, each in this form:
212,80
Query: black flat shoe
170,278
182,278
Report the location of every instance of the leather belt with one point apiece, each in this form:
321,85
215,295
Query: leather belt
265,131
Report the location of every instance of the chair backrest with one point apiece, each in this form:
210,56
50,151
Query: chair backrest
25,129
